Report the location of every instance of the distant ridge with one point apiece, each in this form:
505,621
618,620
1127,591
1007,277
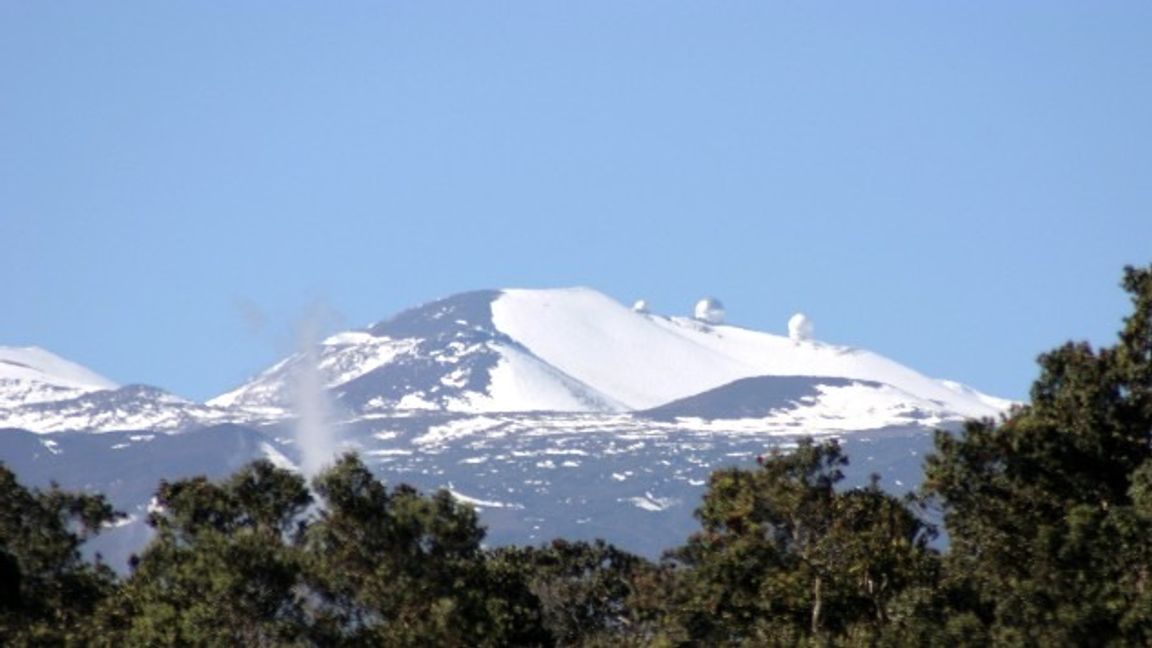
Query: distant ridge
571,350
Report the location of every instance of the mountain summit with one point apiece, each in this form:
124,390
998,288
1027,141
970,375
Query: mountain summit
33,375
573,350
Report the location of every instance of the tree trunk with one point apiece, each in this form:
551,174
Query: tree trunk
817,604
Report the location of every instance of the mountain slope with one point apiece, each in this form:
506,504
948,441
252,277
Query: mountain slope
43,393
33,375
133,407
645,360
572,350
515,351
809,404
444,356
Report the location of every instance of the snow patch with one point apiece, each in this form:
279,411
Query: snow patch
278,459
482,503
652,503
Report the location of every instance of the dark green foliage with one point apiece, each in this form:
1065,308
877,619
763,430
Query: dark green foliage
783,556
585,590
239,563
396,568
224,568
1048,509
46,590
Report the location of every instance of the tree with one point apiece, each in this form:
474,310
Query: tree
1048,509
47,591
394,567
223,569
783,555
585,590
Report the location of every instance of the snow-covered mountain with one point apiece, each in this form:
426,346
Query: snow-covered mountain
568,350
42,392
554,412
31,375
444,356
574,350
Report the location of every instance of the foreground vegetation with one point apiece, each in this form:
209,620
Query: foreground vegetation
1048,514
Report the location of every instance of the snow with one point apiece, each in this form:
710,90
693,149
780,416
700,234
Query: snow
344,357
648,360
278,458
651,503
842,408
521,383
348,337
577,350
438,435
599,342
525,470
415,402
481,503
355,360
390,452
34,363
573,351
44,393
457,379
30,375
141,414
1002,404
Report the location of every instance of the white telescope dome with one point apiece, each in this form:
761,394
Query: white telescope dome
710,310
800,328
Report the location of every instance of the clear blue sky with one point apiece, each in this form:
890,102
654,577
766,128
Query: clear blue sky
954,185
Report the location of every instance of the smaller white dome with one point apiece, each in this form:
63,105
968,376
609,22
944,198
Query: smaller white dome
641,306
710,310
800,328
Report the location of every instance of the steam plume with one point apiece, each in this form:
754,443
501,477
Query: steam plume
315,436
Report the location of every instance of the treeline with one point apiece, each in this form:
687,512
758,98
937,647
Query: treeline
1048,515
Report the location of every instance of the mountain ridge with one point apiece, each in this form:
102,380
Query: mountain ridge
570,350
555,413
613,358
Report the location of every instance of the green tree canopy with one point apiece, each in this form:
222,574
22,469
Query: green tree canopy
47,591
397,568
223,569
1048,509
782,555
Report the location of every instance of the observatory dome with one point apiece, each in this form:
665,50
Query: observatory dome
641,306
800,328
710,310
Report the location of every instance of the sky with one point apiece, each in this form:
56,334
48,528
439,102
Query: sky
956,186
